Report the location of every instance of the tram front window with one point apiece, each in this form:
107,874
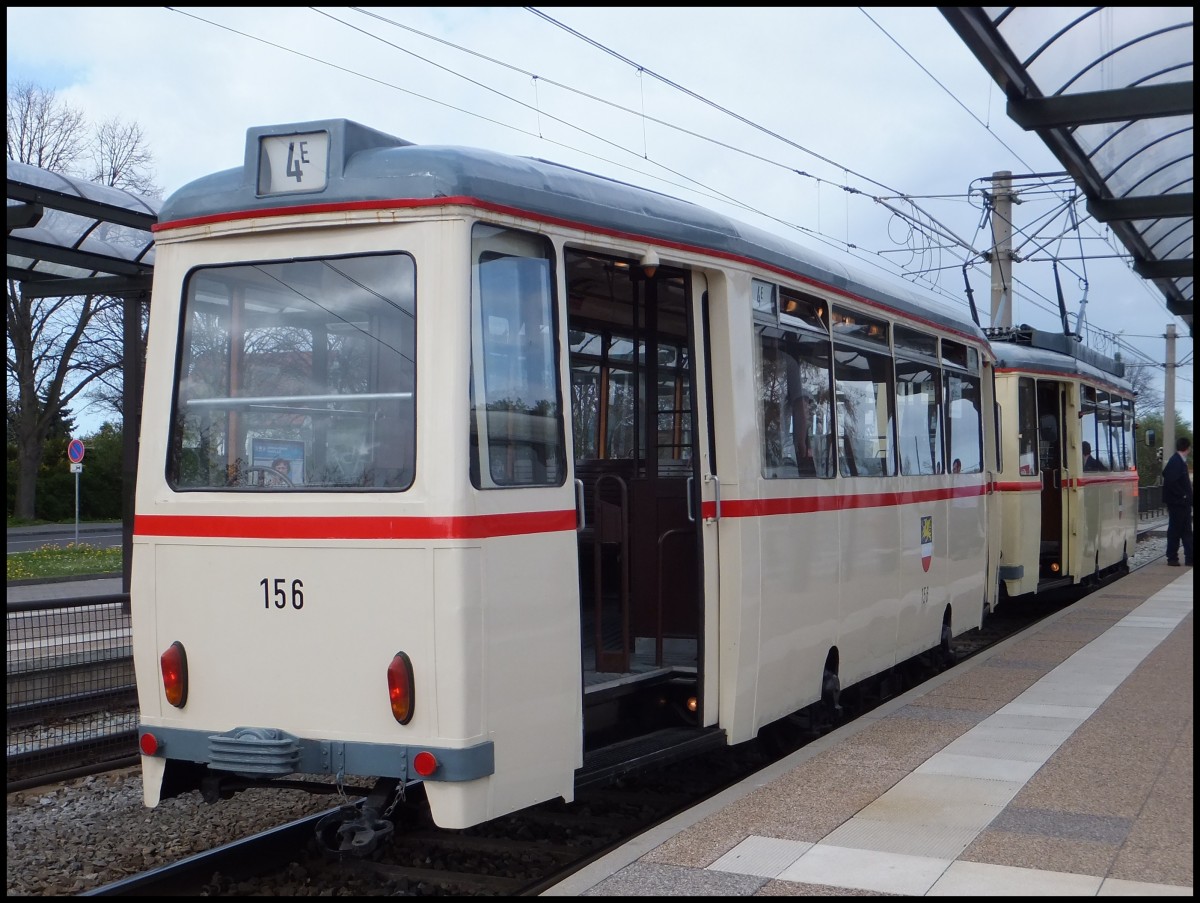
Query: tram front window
297,376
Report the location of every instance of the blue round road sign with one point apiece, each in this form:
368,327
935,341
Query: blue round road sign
75,451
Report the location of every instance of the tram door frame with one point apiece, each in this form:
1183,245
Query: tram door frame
653,500
1052,463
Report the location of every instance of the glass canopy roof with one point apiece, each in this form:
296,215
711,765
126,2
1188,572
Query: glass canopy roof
69,236
1109,89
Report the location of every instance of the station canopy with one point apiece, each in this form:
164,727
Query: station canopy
1109,90
69,236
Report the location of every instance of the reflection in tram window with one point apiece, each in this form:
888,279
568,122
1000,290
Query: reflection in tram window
1129,461
516,413
918,402
795,391
1105,452
964,422
1087,418
1027,431
917,419
863,380
311,360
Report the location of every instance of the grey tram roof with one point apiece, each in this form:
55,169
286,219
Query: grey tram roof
1026,348
1109,91
366,165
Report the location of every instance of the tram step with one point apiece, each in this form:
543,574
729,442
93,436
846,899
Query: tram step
668,744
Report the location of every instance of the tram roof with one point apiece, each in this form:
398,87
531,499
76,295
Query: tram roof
1026,348
367,165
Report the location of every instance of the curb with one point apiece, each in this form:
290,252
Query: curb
90,527
38,581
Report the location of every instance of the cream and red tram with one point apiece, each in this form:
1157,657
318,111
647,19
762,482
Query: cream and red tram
491,473
1067,518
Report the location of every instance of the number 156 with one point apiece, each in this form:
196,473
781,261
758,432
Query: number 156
277,590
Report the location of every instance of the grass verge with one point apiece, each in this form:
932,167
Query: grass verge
71,560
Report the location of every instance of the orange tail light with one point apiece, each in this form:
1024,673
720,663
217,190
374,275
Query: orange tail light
175,674
400,687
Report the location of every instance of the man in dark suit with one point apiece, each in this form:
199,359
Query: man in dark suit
1090,463
1177,496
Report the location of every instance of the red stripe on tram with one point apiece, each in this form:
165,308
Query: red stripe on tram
1019,486
814,504
479,526
1130,477
484,526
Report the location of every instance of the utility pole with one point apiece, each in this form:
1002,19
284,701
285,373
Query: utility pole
1168,438
1002,200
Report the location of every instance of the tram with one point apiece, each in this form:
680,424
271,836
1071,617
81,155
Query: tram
1067,481
497,475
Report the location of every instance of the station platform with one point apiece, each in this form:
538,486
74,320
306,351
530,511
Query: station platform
1057,763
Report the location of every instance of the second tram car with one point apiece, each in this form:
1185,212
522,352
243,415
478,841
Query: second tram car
1067,481
495,474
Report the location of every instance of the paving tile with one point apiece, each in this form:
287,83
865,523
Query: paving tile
866,870
762,856
1116,887
908,839
974,879
985,767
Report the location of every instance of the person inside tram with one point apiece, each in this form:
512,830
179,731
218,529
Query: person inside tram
1090,463
282,467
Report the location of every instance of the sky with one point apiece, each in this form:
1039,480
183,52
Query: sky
866,133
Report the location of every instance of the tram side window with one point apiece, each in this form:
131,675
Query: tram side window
918,420
1088,419
795,386
963,406
1117,422
918,402
516,409
1027,431
1107,450
863,381
297,375
1129,462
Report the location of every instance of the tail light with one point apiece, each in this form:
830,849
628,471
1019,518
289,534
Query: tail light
400,687
175,674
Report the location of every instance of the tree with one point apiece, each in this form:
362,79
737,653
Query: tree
1149,395
1148,463
59,347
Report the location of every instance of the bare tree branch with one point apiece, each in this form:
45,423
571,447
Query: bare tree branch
58,348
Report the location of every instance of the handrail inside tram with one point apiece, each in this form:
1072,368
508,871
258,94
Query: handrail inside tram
250,400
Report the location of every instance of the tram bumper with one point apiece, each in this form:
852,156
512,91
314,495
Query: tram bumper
263,754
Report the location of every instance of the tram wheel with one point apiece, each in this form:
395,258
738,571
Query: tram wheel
946,645
831,691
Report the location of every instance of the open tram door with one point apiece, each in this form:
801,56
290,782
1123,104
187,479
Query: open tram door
1055,497
633,343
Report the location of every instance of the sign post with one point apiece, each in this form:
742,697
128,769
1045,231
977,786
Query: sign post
75,451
